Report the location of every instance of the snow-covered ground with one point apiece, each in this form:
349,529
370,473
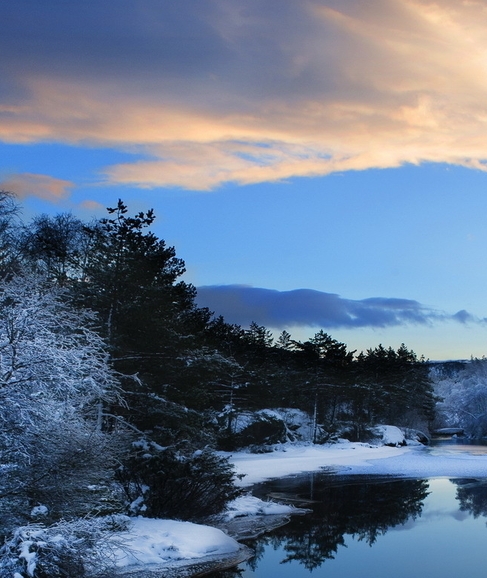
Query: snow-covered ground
357,458
181,548
171,545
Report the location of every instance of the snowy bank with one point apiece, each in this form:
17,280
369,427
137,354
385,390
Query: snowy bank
290,459
356,458
176,545
183,548
151,547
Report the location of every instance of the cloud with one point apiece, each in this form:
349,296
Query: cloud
34,185
242,304
223,91
463,316
91,205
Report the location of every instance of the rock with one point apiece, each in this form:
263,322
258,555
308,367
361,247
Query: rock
187,568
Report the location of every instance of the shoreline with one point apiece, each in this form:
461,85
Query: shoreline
342,459
190,568
356,458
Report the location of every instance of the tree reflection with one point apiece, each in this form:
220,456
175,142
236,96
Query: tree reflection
472,495
363,510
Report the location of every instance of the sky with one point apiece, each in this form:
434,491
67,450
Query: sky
318,164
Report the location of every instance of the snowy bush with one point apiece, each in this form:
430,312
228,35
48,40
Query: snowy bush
162,482
66,549
388,435
259,428
266,427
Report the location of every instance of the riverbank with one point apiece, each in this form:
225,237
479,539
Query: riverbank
356,458
344,458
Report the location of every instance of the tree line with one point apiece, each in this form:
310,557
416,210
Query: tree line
117,388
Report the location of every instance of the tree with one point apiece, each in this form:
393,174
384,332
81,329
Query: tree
327,365
57,246
258,336
394,386
464,398
330,350
284,341
54,380
132,281
9,245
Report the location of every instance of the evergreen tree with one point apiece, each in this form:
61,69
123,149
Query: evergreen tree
398,387
132,280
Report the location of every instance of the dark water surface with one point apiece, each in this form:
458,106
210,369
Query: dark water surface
376,527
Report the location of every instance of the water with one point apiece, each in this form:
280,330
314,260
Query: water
371,527
459,445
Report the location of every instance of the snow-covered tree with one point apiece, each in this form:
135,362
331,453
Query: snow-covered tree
54,382
9,245
463,397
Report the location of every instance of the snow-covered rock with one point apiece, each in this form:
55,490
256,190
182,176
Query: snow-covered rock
267,427
389,435
154,541
248,505
39,511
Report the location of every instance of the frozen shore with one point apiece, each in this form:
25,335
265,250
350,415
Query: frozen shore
290,459
357,458
187,548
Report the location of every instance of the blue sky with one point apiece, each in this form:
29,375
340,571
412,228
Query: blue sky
316,166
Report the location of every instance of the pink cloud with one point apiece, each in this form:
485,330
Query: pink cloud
34,185
316,87
91,205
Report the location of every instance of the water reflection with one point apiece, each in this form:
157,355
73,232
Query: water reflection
440,533
472,495
442,447
364,509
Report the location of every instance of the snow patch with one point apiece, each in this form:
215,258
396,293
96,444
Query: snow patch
356,458
249,505
389,435
153,541
39,511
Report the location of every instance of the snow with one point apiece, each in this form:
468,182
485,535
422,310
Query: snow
356,458
149,543
249,505
153,541
293,459
390,435
161,542
39,511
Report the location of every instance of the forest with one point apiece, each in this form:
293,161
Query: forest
117,390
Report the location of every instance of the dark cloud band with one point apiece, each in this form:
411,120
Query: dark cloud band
305,307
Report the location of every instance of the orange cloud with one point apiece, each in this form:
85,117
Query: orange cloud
33,185
321,86
91,205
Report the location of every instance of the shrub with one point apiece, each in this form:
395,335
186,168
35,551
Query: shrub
163,483
64,550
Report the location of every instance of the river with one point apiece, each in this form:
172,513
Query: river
376,527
